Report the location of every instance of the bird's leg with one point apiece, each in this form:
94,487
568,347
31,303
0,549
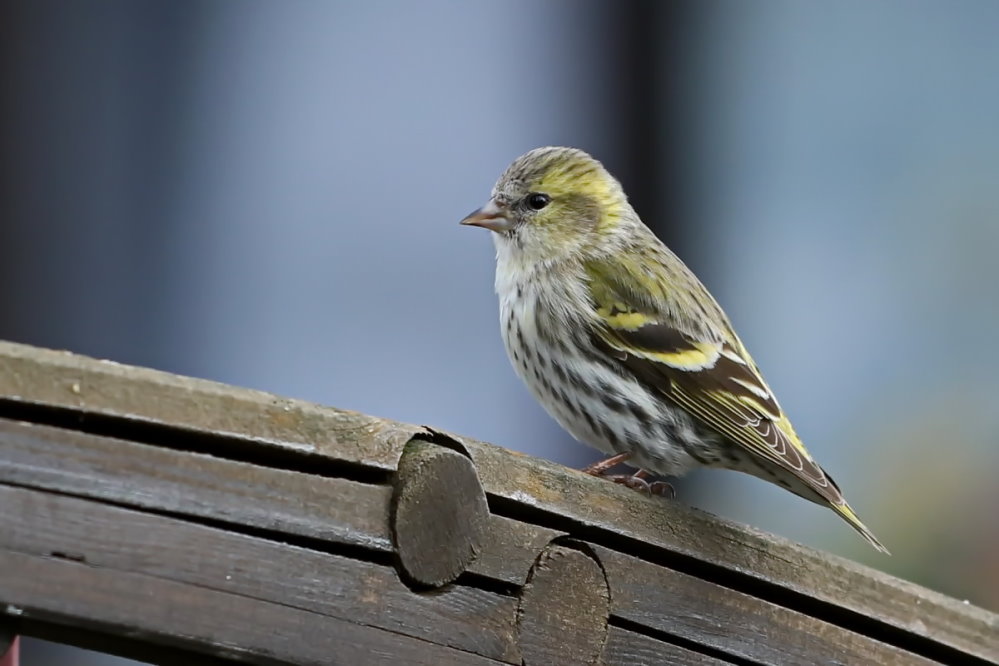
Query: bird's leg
601,466
639,481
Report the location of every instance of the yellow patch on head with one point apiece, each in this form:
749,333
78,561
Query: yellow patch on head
566,173
584,177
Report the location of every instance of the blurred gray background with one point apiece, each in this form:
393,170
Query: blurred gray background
267,194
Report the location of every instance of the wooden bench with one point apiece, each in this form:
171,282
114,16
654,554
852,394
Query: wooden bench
182,521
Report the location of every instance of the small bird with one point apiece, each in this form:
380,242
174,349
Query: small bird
622,344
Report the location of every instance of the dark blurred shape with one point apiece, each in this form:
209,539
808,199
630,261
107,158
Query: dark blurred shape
10,652
89,118
650,81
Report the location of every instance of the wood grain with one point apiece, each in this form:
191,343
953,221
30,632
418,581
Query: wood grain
628,648
668,533
128,542
733,623
563,611
339,511
265,465
195,618
439,513
43,377
511,549
195,484
121,646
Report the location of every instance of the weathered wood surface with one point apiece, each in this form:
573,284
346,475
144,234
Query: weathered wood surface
436,546
564,609
149,514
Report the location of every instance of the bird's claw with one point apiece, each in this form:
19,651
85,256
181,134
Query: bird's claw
638,481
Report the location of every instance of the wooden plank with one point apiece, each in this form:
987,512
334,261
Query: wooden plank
656,530
731,622
563,612
628,648
128,543
511,549
202,620
199,485
667,532
191,484
35,376
121,646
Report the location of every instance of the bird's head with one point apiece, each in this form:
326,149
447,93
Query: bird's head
553,203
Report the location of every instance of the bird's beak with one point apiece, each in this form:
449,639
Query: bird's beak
492,216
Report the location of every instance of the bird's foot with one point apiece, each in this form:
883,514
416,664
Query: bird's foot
639,481
600,467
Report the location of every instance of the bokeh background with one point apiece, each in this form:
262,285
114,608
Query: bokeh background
267,194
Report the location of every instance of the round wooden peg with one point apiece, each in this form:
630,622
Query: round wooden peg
564,609
440,513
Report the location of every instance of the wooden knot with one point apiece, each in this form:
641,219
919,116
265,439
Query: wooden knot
440,513
564,608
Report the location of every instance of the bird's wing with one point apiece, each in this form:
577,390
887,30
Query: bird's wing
709,373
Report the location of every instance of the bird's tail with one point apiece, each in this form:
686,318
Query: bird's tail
849,516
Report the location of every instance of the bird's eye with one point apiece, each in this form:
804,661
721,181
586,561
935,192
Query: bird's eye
537,200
